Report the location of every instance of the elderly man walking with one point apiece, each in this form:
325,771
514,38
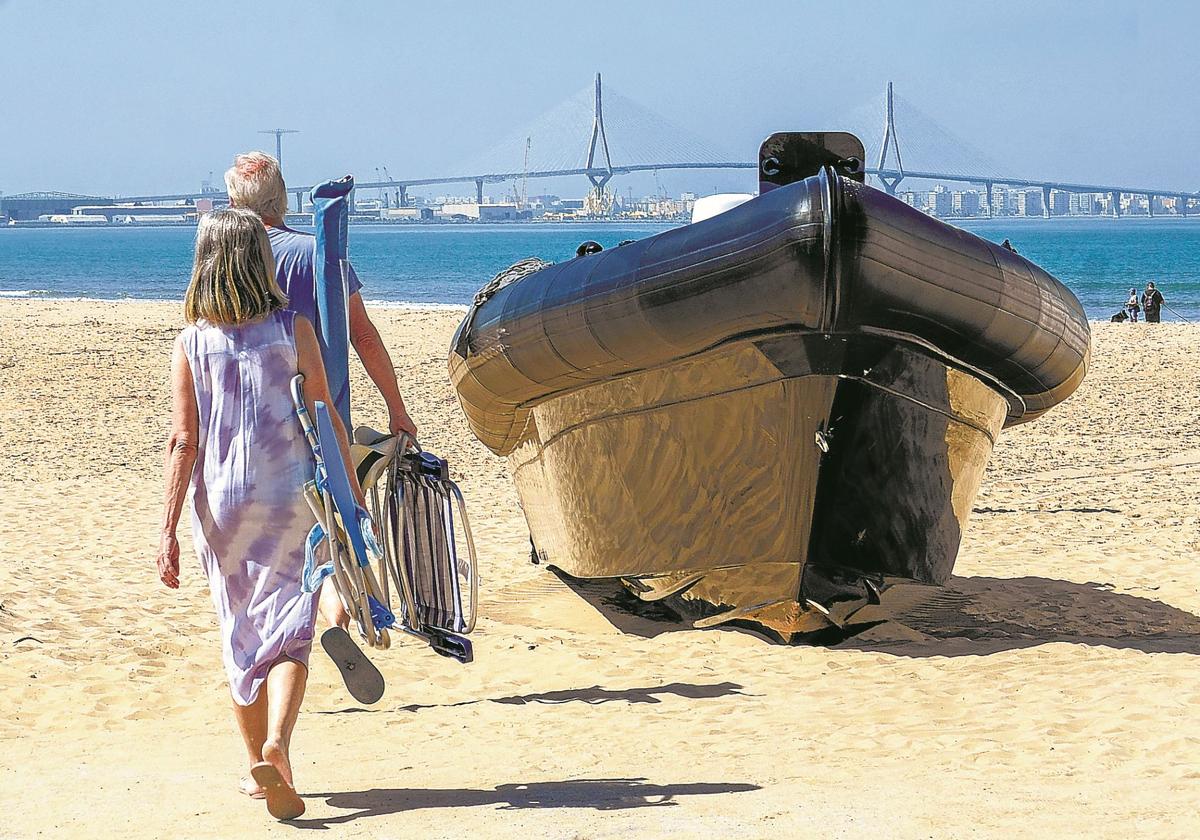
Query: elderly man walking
255,183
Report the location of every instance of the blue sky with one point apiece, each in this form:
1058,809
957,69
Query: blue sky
108,97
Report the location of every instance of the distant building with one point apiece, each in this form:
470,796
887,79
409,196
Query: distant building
940,202
1084,204
111,211
31,206
965,203
1173,205
1029,202
408,214
156,219
484,212
1000,201
1135,205
1060,203
73,219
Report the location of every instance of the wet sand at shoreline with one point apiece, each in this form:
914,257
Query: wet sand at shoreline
1059,698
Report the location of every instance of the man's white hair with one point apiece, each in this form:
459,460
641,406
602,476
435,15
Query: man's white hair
254,182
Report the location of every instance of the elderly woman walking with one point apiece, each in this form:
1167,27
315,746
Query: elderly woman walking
236,443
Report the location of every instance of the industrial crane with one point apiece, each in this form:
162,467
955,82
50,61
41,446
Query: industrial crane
387,177
524,196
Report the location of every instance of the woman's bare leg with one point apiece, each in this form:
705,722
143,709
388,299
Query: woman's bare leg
252,724
285,692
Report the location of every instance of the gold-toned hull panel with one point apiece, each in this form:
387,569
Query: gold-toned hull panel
719,479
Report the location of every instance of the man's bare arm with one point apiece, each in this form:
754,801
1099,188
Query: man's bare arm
378,364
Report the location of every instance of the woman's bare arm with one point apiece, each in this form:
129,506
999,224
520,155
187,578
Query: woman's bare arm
316,388
178,463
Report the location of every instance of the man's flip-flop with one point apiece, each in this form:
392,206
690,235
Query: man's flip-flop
283,803
363,680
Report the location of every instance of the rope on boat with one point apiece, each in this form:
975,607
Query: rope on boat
509,276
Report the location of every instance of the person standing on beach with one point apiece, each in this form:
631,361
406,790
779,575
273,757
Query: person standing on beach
1152,301
1131,305
254,182
236,445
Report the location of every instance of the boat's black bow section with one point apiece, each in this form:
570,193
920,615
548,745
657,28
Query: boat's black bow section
823,255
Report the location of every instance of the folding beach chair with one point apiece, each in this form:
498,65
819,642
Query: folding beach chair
343,527
428,548
413,501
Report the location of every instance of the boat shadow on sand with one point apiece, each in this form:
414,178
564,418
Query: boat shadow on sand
597,794
970,616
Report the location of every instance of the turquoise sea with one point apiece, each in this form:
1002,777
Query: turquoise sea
1099,259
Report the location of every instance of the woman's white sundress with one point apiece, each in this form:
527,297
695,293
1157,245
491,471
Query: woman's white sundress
249,517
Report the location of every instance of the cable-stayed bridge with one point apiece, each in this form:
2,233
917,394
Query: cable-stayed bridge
600,135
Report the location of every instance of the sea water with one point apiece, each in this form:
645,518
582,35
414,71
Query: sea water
1099,259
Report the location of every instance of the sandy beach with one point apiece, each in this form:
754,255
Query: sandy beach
1058,698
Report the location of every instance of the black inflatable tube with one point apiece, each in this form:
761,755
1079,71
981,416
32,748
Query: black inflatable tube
826,254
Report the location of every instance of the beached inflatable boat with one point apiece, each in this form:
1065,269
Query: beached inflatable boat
775,415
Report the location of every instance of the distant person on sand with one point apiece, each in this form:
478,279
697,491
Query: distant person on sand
1152,301
235,442
1131,305
255,183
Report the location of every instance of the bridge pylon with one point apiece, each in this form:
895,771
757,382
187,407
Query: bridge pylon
598,175
892,178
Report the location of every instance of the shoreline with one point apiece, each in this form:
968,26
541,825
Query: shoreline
23,298
35,297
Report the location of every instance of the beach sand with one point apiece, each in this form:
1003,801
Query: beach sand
1061,700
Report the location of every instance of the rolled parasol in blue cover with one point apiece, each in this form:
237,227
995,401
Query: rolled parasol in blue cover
331,215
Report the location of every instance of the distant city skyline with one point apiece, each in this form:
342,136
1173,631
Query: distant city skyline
1090,97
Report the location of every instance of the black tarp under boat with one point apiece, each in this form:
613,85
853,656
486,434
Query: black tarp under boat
774,415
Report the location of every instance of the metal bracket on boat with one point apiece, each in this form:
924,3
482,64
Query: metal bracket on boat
789,156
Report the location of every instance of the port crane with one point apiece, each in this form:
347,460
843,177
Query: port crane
387,176
524,196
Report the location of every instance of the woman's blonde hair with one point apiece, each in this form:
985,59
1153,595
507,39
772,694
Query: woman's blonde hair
255,183
233,277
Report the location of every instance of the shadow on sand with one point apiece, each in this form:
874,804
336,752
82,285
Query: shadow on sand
593,695
596,695
970,616
598,794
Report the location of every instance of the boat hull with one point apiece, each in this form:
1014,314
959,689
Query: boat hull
753,461
775,415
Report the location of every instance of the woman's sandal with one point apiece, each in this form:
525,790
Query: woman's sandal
251,788
283,803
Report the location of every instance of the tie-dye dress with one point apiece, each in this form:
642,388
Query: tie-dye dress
249,517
